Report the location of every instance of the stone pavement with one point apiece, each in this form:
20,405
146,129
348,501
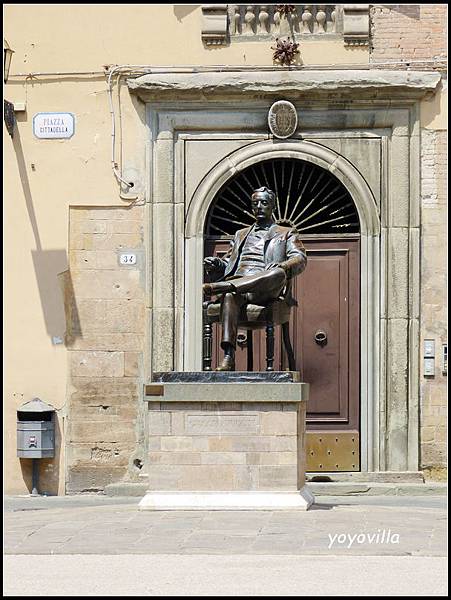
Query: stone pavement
353,530
342,526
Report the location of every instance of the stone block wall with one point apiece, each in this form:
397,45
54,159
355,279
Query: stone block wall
434,296
409,33
105,337
220,446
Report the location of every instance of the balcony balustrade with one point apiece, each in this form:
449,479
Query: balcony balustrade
266,20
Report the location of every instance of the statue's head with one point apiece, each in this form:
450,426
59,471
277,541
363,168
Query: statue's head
263,201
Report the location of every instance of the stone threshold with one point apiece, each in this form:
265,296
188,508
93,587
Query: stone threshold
338,488
365,476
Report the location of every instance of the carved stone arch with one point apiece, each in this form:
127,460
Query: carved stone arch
296,149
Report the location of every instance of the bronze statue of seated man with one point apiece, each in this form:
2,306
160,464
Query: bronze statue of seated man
260,262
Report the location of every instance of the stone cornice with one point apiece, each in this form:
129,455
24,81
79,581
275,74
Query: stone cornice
357,84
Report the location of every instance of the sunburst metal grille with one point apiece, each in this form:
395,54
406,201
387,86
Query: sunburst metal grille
307,197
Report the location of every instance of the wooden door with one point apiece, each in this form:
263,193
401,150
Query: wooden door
328,297
325,332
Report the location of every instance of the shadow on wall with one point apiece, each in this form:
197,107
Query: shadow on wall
72,319
408,10
183,11
49,265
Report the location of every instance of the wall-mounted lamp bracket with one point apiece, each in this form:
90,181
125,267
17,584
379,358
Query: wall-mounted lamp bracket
7,57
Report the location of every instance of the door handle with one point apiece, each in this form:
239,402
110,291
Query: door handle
321,337
241,340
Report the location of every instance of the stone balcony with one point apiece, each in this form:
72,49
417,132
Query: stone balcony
257,21
228,23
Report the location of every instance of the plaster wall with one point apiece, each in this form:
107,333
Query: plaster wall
85,37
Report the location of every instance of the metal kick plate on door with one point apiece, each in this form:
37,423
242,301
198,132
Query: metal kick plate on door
332,452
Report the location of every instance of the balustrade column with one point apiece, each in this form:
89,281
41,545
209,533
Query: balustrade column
321,18
249,19
306,19
237,20
276,22
263,19
333,16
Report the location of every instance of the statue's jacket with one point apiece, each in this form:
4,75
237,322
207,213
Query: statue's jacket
283,245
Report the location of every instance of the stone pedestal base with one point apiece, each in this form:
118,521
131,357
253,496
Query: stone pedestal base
300,500
236,441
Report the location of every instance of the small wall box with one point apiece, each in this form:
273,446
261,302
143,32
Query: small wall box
36,430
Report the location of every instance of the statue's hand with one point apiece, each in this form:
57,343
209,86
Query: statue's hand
212,263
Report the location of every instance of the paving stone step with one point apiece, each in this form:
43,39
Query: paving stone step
338,488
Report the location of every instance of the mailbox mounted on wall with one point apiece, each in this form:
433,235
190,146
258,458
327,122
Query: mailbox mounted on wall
35,430
35,435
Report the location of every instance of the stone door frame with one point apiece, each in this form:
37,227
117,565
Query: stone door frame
390,228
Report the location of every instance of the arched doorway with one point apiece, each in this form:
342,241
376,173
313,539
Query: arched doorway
314,201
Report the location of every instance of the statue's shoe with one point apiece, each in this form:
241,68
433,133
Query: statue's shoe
228,364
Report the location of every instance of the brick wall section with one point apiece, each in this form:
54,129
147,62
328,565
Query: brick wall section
433,295
105,336
410,32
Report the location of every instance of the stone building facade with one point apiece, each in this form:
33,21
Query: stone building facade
416,36
86,331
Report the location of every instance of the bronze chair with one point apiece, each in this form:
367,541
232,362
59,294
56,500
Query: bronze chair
253,317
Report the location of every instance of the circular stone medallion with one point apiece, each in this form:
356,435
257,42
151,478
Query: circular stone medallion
282,119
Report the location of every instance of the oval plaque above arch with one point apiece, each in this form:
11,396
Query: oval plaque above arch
282,119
